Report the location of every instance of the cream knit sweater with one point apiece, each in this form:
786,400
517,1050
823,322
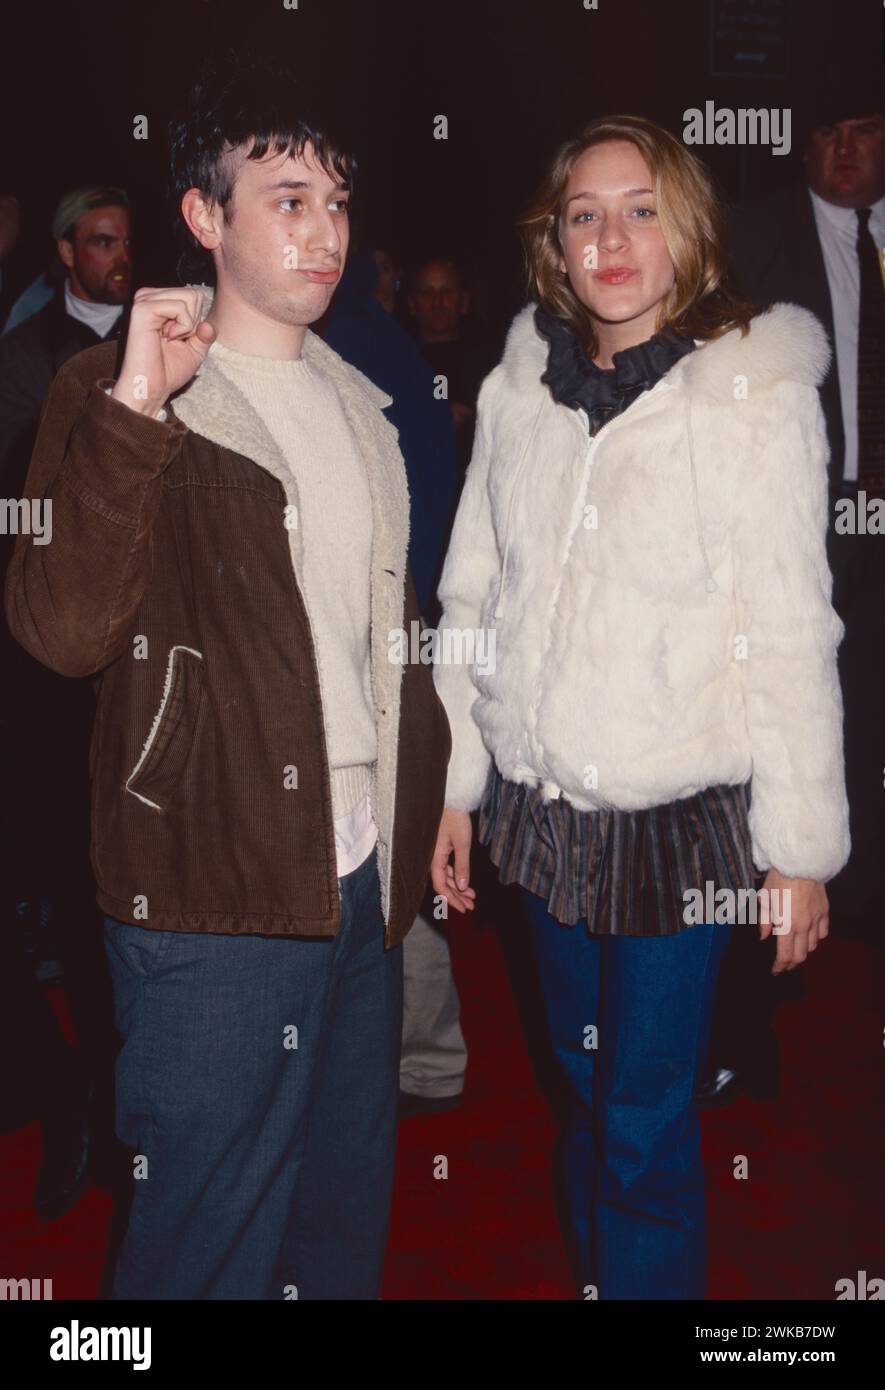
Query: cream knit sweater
302,411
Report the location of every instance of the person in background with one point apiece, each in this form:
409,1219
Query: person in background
46,718
32,298
35,295
370,338
91,228
819,243
10,222
389,279
439,304
17,304
362,328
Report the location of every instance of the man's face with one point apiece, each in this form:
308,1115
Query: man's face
100,256
437,301
846,162
283,246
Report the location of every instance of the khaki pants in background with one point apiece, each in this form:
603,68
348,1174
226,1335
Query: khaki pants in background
434,1054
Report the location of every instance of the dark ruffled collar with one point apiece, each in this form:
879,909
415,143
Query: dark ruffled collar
576,381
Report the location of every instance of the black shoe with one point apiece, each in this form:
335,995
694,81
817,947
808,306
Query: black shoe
411,1104
721,1085
43,933
64,1168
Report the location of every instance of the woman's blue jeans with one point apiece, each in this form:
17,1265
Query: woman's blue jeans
630,1153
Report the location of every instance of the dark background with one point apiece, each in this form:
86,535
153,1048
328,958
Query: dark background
514,80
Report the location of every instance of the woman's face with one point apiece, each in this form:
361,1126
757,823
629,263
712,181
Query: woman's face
614,251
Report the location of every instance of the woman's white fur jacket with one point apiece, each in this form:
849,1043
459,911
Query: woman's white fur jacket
658,597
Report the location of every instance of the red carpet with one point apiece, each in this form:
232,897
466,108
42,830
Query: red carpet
808,1214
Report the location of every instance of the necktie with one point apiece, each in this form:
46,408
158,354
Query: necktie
870,363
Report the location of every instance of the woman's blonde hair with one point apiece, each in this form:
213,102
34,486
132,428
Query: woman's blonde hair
701,303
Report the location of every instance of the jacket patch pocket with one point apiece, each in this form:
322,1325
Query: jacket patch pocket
168,745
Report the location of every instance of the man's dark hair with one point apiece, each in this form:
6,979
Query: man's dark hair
850,99
234,105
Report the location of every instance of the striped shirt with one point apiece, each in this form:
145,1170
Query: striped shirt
624,873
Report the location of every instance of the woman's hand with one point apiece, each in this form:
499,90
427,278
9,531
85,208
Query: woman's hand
803,908
455,834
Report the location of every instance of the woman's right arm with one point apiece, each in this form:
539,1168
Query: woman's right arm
471,564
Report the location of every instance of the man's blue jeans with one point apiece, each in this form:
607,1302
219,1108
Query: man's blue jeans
630,1153
258,1078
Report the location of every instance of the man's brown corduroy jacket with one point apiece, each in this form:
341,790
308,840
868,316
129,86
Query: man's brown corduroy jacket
172,574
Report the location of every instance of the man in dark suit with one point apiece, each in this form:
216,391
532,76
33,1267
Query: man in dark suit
802,245
819,243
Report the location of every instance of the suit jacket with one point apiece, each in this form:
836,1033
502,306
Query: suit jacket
776,256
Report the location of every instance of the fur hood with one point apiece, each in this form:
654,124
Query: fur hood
786,342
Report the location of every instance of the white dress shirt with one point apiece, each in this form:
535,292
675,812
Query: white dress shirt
837,229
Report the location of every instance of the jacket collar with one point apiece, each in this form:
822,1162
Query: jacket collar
211,405
786,342
242,429
576,381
